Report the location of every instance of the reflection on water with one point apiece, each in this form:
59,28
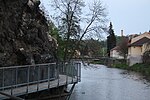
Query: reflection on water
101,83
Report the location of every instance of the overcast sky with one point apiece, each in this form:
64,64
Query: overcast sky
132,16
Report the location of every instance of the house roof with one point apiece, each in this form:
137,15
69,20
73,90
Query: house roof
115,48
140,42
140,36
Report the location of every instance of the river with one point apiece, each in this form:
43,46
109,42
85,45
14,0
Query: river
101,83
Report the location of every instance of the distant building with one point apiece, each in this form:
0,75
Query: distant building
114,53
137,46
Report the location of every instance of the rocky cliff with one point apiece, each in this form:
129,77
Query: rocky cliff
24,35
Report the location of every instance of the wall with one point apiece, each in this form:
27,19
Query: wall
134,59
135,51
134,55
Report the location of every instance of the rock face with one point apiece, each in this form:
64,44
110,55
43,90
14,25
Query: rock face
24,35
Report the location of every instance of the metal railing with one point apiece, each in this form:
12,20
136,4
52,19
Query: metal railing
17,76
72,69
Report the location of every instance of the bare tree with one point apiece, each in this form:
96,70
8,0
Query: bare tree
146,54
69,18
123,47
90,47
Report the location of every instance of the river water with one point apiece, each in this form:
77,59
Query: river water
101,83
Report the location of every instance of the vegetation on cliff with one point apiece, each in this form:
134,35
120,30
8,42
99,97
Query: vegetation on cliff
24,37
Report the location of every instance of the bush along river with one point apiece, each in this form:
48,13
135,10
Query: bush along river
99,82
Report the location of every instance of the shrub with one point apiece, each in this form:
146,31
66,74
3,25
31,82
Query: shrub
146,57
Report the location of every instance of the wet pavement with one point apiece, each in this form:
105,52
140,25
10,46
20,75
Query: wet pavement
101,83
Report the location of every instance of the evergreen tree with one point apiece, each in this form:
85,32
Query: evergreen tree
111,39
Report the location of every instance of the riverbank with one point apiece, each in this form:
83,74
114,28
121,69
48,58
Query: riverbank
144,69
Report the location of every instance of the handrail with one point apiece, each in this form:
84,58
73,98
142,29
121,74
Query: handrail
22,66
16,76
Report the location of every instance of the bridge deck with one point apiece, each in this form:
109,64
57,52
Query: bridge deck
61,81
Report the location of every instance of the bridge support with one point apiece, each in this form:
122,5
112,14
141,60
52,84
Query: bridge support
64,94
11,96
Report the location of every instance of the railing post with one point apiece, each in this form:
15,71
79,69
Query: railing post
38,78
12,82
72,71
66,73
57,70
77,72
28,79
16,76
48,76
3,84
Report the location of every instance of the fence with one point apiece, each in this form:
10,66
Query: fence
17,76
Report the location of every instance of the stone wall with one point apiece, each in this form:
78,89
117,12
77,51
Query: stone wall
24,34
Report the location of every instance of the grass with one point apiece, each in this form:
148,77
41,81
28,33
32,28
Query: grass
97,62
141,67
144,69
122,66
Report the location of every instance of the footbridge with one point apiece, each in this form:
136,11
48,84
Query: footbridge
21,80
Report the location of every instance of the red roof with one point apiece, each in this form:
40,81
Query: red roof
115,48
140,42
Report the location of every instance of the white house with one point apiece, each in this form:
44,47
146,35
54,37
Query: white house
114,53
